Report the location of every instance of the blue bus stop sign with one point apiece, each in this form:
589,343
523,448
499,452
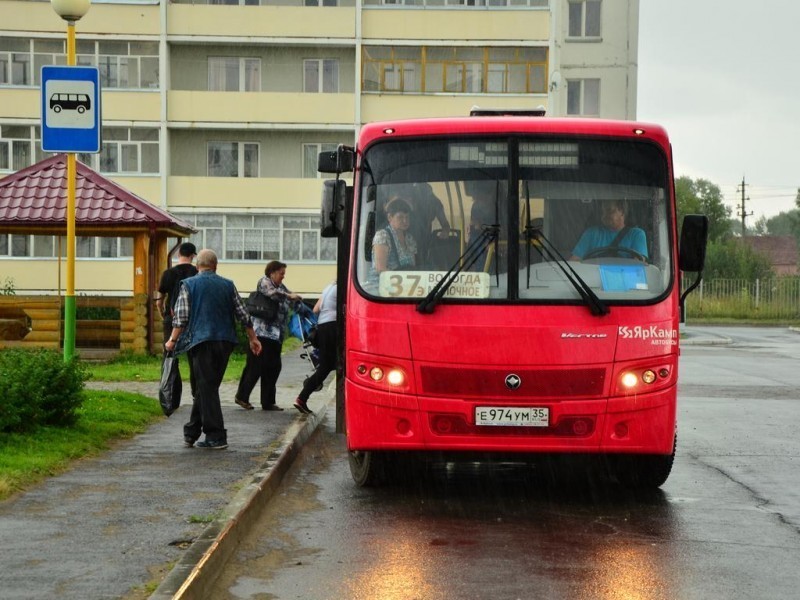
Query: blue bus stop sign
71,109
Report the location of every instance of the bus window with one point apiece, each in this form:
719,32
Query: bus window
457,194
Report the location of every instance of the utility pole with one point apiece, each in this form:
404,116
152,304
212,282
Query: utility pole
742,212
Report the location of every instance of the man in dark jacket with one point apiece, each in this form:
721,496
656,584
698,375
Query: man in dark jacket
203,325
168,290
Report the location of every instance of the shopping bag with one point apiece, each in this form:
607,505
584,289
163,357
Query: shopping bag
169,392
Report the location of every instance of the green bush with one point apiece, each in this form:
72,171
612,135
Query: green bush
38,388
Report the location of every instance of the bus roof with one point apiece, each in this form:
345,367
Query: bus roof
444,126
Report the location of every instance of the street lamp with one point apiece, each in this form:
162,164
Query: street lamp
71,11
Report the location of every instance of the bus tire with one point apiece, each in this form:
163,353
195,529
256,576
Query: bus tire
367,468
644,471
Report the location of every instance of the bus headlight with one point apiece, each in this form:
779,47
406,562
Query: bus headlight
395,377
629,380
391,375
640,379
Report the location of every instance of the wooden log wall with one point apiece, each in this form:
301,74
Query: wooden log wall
133,324
39,313
35,322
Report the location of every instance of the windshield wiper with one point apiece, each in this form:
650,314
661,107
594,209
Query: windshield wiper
551,254
473,252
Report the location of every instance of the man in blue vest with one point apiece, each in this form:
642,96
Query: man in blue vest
203,325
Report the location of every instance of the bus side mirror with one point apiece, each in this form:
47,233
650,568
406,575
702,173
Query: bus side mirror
341,160
694,235
334,197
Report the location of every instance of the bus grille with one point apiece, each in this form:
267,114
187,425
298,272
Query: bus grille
534,383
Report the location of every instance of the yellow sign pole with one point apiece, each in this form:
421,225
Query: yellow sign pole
71,11
70,309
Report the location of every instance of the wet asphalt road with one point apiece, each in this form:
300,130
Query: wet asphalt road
725,525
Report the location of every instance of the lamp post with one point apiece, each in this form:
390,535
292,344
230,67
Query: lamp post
71,11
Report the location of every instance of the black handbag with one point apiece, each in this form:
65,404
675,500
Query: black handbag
261,307
169,392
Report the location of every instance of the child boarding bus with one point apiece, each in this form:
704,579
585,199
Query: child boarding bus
509,284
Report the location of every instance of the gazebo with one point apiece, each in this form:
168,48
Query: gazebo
33,201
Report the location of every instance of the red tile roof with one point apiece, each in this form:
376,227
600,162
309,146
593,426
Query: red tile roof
780,249
37,197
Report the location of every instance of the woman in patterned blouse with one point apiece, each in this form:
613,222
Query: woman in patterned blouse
393,247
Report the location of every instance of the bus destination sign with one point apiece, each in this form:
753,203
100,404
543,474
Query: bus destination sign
417,284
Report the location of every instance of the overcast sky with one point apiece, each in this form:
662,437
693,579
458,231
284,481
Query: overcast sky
723,77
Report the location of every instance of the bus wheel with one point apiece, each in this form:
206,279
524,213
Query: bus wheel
367,468
646,471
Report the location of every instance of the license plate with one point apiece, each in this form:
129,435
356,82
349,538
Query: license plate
505,416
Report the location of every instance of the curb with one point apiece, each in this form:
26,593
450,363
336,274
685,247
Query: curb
196,572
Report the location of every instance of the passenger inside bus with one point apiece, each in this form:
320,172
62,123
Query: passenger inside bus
487,199
613,237
393,247
425,209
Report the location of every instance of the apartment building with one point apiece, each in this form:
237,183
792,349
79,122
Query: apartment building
215,110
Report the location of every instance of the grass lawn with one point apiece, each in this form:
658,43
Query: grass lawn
26,459
132,367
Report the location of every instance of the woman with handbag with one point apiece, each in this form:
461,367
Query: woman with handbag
270,332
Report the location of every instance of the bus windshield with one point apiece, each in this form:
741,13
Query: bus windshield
524,219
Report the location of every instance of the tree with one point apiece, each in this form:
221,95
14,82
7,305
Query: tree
699,196
734,259
784,223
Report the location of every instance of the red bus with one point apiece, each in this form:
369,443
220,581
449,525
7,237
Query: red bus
507,312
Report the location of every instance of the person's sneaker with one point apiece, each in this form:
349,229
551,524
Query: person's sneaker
302,406
188,442
271,407
244,404
213,444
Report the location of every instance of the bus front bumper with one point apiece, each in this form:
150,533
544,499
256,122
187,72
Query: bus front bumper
640,424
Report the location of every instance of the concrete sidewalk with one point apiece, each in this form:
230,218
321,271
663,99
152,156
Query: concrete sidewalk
151,510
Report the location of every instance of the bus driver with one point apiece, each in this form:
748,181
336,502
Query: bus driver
612,233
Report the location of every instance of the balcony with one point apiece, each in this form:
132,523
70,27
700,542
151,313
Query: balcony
329,23
122,19
240,108
382,107
514,26
284,194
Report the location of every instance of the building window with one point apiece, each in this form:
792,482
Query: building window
234,74
310,156
49,246
457,70
321,75
263,237
16,61
125,65
458,3
321,2
584,18
126,151
17,147
224,2
583,97
233,159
